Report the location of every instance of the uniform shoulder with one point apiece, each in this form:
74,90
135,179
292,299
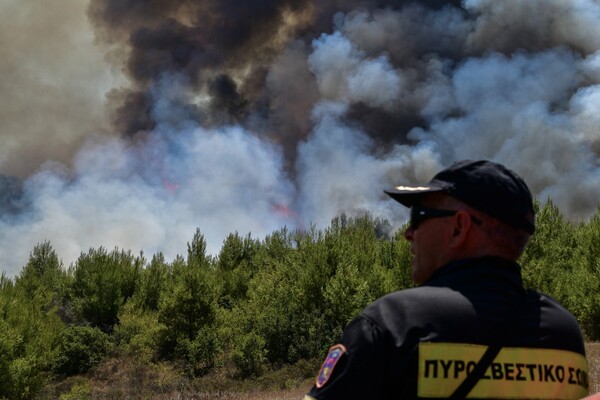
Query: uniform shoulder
422,294
558,326
413,301
549,302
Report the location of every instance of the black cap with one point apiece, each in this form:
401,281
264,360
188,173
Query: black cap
484,185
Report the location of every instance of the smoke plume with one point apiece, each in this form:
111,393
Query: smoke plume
132,123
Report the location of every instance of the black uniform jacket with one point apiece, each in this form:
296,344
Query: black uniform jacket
422,342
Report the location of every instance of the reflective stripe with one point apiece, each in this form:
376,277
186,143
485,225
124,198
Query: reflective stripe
515,373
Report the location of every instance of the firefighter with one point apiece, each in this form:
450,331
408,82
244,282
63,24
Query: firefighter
469,328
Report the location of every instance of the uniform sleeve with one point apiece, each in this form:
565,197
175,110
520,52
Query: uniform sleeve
354,368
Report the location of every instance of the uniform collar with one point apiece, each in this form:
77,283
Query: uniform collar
480,266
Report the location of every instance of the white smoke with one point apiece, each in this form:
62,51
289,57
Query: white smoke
530,110
343,73
152,197
526,111
340,174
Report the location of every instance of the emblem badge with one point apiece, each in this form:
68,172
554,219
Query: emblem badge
334,355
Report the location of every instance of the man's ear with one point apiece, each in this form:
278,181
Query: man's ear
462,226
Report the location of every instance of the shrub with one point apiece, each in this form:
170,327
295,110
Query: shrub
79,391
80,348
249,355
139,332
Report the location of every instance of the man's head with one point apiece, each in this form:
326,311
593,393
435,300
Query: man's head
487,210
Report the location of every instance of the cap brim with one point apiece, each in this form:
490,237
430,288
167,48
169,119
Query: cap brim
410,195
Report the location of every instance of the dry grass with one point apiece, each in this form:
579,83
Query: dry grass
592,351
123,378
290,394
593,355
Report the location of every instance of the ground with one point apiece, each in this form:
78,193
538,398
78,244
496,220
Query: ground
121,378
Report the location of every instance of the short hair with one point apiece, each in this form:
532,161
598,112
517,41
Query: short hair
507,240
510,240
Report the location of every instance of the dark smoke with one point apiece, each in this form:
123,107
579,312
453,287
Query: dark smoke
226,50
11,195
253,115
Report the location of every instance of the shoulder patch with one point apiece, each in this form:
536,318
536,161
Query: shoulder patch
334,355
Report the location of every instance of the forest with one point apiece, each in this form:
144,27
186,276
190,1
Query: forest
258,306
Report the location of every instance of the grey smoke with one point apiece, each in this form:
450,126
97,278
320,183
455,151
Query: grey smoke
53,83
184,115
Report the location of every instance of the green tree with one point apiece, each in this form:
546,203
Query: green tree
308,287
188,309
152,283
396,258
235,267
28,331
43,276
102,283
561,260
581,286
549,254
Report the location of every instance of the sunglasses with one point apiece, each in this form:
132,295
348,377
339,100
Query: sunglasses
421,214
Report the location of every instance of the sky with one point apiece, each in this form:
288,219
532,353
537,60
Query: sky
130,124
